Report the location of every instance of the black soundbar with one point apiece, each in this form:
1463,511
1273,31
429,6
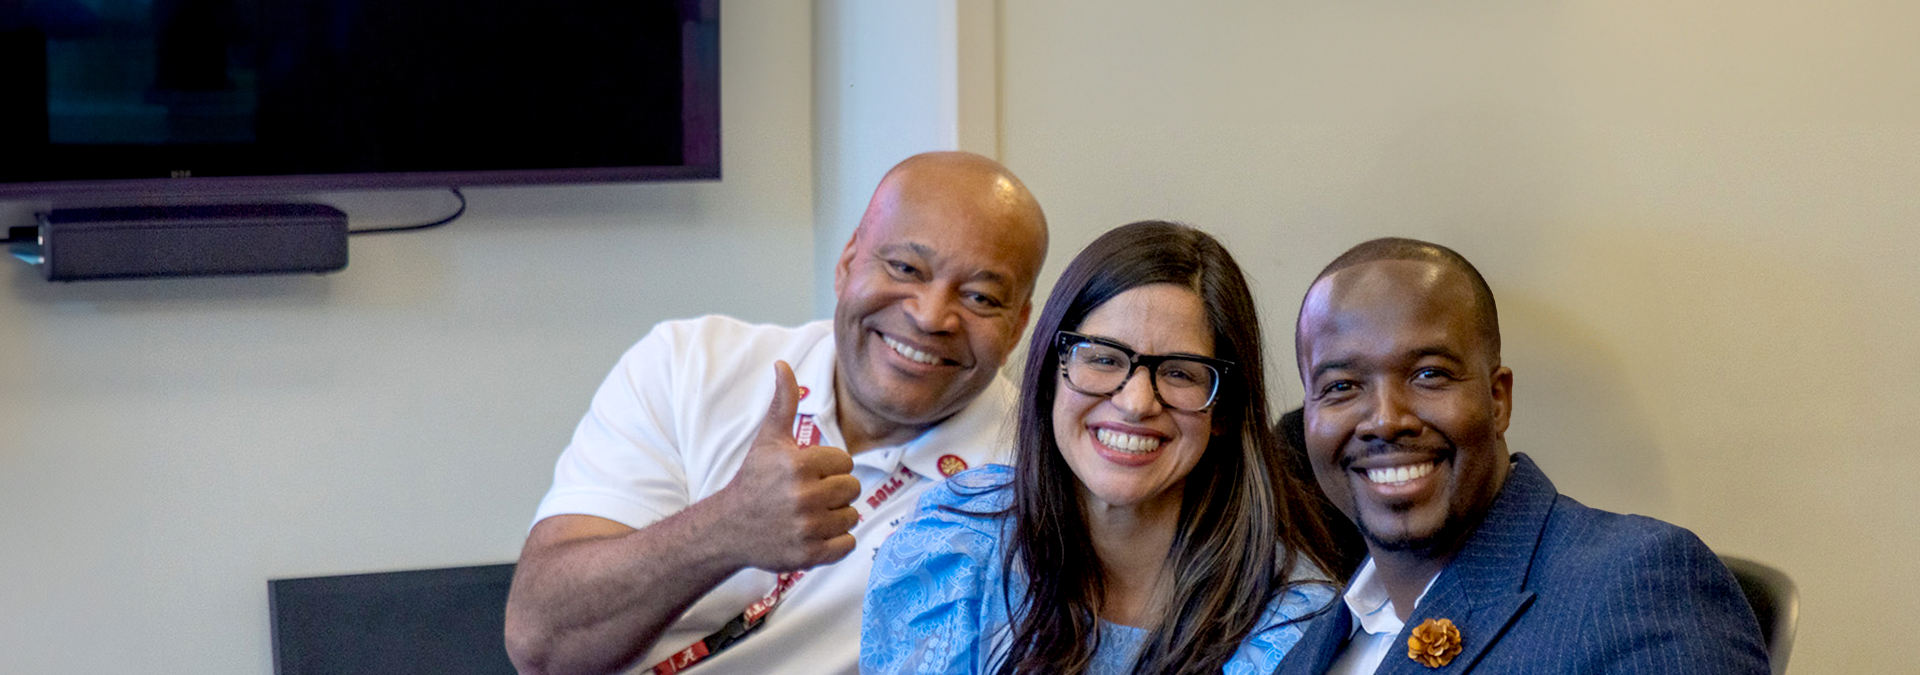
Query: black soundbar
190,241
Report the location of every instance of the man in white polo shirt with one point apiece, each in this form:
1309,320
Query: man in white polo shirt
720,503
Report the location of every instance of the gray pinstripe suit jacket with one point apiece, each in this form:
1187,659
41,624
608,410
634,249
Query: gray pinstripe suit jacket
1548,585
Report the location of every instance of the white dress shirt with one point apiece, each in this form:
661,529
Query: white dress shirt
1375,623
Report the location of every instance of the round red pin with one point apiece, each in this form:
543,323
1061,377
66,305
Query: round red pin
951,464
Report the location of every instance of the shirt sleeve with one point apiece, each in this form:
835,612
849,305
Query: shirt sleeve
933,603
624,463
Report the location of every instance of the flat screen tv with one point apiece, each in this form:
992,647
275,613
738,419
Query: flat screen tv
132,99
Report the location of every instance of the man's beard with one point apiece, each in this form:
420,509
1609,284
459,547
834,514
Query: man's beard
1451,535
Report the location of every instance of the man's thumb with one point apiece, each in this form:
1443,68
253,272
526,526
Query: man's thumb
786,401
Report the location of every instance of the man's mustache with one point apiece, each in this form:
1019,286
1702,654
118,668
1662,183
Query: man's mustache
1371,449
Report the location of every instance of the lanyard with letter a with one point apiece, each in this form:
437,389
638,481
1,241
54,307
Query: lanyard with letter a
805,434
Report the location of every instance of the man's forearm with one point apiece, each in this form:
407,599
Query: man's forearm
591,596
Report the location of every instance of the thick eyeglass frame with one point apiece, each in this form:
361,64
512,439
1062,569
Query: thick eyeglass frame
1065,341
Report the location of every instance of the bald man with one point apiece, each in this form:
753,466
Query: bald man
1476,564
719,505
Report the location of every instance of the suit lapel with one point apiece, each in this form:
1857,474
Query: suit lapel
1480,625
1322,640
1484,589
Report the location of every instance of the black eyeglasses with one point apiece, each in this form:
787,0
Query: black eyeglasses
1097,366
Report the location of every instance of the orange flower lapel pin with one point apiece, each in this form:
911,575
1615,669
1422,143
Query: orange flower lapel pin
1434,643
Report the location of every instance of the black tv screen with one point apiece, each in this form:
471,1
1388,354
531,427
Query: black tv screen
182,97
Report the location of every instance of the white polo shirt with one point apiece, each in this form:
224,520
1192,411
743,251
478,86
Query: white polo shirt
672,424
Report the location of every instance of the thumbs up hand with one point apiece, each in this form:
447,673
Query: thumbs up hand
790,508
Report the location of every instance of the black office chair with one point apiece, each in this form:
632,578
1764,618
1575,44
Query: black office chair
410,622
1776,603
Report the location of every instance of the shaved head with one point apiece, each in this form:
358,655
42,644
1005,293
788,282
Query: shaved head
1487,316
963,181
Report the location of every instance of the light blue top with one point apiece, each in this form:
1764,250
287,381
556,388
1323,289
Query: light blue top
936,602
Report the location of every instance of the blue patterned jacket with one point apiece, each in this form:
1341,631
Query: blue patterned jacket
938,603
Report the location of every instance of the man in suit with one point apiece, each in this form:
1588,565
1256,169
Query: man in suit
1475,562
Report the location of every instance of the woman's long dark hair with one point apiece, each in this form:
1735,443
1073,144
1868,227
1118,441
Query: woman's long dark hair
1245,522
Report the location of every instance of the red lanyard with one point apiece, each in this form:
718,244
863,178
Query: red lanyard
805,434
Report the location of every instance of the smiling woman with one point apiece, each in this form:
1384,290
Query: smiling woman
1149,523
1130,451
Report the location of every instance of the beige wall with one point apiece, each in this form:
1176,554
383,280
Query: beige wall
1699,219
166,447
